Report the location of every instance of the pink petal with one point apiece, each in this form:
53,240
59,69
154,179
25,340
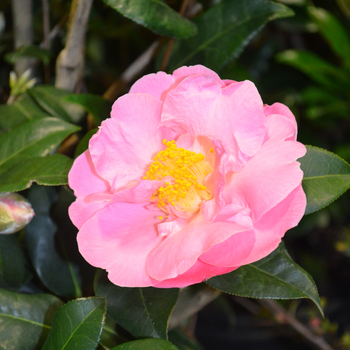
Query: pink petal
280,128
156,85
118,238
267,178
247,247
83,178
179,252
184,72
125,144
281,109
198,273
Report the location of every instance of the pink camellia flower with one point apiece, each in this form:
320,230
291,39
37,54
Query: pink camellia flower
191,177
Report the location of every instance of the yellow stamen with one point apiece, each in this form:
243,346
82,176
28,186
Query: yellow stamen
211,150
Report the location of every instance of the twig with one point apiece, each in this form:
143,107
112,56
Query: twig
284,316
22,15
70,61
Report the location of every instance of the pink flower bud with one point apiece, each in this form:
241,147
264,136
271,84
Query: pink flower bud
15,212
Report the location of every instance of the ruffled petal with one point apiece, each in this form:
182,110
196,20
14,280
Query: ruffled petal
267,178
247,247
155,84
281,109
179,252
126,143
118,238
184,72
198,273
279,128
83,178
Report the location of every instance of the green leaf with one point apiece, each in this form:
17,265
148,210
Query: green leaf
110,336
144,312
13,270
36,138
47,249
25,320
50,171
97,106
276,276
317,69
49,98
224,30
156,16
326,177
77,325
333,31
83,145
28,51
146,344
183,341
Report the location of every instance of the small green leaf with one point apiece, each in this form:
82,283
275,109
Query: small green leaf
333,31
97,106
13,269
144,312
28,51
36,138
25,320
224,30
317,69
83,145
146,344
48,250
50,171
49,98
326,177
77,325
156,16
275,277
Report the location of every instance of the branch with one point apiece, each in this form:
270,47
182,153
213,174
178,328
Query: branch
70,61
22,15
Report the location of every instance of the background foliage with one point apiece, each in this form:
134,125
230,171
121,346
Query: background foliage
296,52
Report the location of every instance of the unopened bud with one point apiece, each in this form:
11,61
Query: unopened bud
15,212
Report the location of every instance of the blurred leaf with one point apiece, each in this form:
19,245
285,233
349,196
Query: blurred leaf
333,31
110,336
83,145
317,69
326,177
49,98
97,106
144,312
183,340
25,319
146,344
13,269
50,171
156,16
47,250
344,6
77,325
224,30
28,51
276,276
21,111
36,138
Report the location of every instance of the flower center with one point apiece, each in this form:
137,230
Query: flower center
186,171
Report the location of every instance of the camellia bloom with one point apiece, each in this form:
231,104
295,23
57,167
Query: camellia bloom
191,177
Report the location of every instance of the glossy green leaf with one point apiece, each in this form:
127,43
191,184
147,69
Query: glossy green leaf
36,138
97,106
326,177
146,344
224,30
156,16
13,264
28,51
317,69
77,325
25,320
144,312
50,171
110,336
83,145
46,248
275,277
49,98
333,31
